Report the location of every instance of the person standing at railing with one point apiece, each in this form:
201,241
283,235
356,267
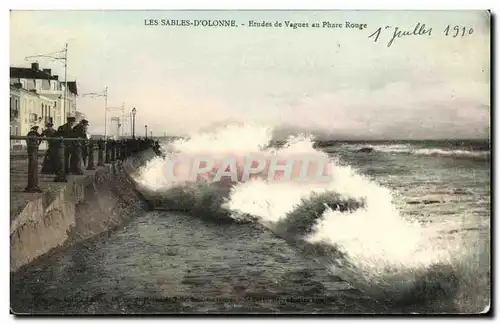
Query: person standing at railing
80,147
82,133
33,141
35,136
66,131
49,161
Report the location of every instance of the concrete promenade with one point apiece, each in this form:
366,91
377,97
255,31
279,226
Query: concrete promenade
19,179
65,212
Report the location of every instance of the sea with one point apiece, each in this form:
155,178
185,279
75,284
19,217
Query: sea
402,227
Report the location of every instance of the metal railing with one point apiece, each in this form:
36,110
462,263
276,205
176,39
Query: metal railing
64,156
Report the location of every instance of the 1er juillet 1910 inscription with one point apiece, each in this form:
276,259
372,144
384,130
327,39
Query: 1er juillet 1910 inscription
420,29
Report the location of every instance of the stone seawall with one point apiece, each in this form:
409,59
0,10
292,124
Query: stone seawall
75,211
132,168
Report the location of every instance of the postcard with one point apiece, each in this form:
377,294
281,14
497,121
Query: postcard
250,162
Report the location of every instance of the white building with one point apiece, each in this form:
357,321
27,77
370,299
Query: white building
28,109
49,86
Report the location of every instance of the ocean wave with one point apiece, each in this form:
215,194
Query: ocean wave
456,153
410,149
348,224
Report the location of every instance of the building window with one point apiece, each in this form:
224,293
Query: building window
14,110
14,114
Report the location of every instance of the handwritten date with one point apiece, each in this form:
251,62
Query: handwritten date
461,31
419,30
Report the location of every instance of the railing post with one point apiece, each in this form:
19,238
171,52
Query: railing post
76,158
90,163
113,151
48,164
118,150
67,156
60,166
124,150
100,155
83,147
33,166
108,151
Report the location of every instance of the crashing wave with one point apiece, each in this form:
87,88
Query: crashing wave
349,224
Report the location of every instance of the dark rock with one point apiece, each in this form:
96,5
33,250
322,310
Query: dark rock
366,150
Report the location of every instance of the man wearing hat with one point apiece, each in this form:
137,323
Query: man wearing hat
33,131
80,147
35,136
66,131
50,159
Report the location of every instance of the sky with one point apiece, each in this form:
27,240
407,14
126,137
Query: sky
336,81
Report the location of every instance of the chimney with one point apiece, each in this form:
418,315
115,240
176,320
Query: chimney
47,71
34,66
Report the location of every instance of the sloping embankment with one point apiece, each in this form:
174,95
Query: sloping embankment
132,168
76,211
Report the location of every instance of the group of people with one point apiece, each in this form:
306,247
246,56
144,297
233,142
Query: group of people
75,152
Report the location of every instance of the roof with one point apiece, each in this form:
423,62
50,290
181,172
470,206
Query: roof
13,88
72,87
19,90
29,73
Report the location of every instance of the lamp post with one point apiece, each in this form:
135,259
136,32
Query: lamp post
63,57
105,95
134,111
151,133
146,129
130,124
